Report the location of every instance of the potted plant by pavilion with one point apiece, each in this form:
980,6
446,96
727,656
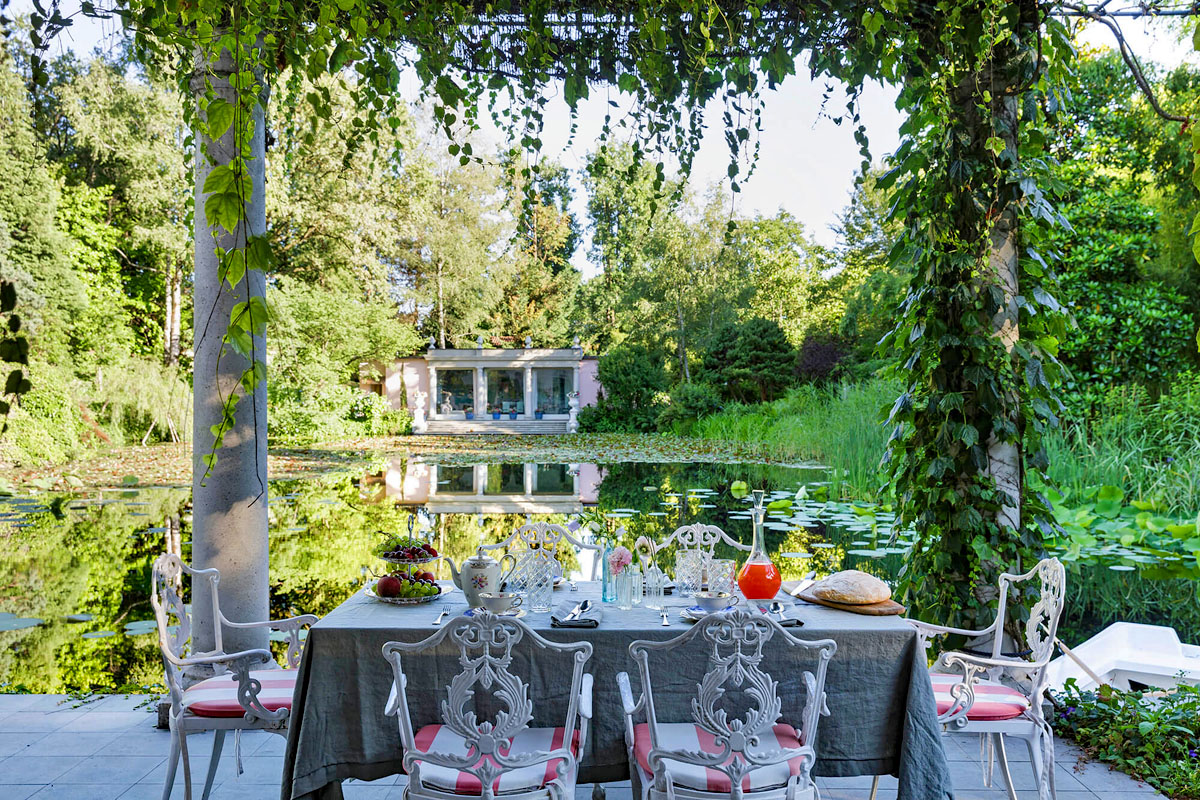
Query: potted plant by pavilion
538,413
495,411
469,412
512,412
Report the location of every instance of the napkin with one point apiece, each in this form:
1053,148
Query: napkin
786,622
588,619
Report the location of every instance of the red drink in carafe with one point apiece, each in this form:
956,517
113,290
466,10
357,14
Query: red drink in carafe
759,581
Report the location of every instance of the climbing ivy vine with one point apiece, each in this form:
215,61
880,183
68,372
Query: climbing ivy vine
978,332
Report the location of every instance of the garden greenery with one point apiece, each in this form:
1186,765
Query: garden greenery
979,331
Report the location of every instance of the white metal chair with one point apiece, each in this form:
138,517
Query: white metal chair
969,702
699,536
535,543
713,756
239,696
463,756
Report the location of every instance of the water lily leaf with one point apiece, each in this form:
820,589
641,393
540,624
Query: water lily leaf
739,489
99,634
80,617
12,623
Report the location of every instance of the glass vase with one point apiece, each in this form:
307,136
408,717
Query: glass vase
759,578
608,591
629,588
654,582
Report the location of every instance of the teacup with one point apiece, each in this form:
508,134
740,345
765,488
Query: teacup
499,602
713,601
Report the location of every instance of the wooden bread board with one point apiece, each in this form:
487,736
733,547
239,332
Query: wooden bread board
887,608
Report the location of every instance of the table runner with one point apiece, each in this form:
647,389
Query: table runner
882,721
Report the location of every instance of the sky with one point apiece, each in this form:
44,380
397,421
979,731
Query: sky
807,163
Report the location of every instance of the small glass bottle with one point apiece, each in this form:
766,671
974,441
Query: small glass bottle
759,578
608,591
629,587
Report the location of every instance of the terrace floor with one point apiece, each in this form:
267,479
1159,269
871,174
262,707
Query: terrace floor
51,746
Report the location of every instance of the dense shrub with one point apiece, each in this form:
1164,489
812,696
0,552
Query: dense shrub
634,380
47,426
750,361
819,359
689,402
341,413
1155,739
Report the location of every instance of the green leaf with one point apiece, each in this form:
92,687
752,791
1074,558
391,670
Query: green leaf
223,209
220,116
995,144
739,489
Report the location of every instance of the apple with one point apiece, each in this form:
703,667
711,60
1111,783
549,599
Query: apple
388,586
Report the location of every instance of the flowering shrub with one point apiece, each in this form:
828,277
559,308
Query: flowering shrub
1152,736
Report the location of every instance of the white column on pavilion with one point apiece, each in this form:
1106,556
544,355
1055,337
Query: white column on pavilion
480,391
528,480
435,404
528,392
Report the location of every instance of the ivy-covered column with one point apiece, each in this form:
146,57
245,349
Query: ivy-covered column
967,429
229,489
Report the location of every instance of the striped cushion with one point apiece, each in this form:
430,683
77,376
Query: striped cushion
217,697
993,700
687,736
440,739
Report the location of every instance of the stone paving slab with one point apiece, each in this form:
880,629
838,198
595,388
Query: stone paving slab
109,749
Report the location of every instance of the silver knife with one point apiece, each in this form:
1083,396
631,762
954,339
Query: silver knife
578,610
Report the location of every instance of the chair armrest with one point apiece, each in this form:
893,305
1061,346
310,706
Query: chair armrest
627,701
987,662
927,629
287,624
585,696
216,658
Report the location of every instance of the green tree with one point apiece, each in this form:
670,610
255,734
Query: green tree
633,380
751,361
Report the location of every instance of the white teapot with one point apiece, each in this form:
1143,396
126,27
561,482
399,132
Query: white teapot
480,573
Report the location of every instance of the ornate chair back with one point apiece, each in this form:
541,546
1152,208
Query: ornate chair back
699,536
1044,614
535,546
174,617
735,641
485,644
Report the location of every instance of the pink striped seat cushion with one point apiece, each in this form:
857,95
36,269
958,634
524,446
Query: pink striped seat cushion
688,736
440,739
993,700
217,697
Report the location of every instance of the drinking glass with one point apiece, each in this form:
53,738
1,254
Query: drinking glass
655,582
689,566
722,575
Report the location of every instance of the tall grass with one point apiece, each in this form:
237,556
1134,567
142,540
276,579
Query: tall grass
839,427
1148,447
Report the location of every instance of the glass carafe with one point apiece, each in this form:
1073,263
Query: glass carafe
759,578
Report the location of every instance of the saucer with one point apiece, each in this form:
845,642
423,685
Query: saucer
515,613
696,613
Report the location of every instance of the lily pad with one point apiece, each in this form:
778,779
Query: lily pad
99,634
80,617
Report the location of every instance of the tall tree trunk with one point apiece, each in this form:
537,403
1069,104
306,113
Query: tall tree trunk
441,304
683,359
229,520
173,318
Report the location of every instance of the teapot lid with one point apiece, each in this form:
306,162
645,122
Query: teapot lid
480,556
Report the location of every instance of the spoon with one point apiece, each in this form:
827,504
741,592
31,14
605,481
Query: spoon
777,609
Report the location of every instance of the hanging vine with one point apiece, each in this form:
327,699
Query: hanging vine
978,332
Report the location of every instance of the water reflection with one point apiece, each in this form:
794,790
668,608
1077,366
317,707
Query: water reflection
75,568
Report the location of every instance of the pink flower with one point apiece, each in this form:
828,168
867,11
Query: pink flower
619,559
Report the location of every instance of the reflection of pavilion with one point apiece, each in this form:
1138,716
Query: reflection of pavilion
494,488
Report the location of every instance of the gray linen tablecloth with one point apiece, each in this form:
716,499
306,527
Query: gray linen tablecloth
882,717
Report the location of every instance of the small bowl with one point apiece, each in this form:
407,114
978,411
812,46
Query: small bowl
713,601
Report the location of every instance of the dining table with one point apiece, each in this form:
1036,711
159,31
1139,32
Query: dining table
882,713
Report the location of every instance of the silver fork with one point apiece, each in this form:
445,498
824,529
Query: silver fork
441,616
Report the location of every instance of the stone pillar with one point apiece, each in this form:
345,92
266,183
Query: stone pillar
528,480
229,518
529,395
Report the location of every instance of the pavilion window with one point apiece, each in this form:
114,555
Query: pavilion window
505,479
553,479
552,387
456,480
456,390
506,390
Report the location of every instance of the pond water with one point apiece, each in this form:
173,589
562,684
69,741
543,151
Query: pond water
75,568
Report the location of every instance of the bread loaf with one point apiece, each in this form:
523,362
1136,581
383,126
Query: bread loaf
851,587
